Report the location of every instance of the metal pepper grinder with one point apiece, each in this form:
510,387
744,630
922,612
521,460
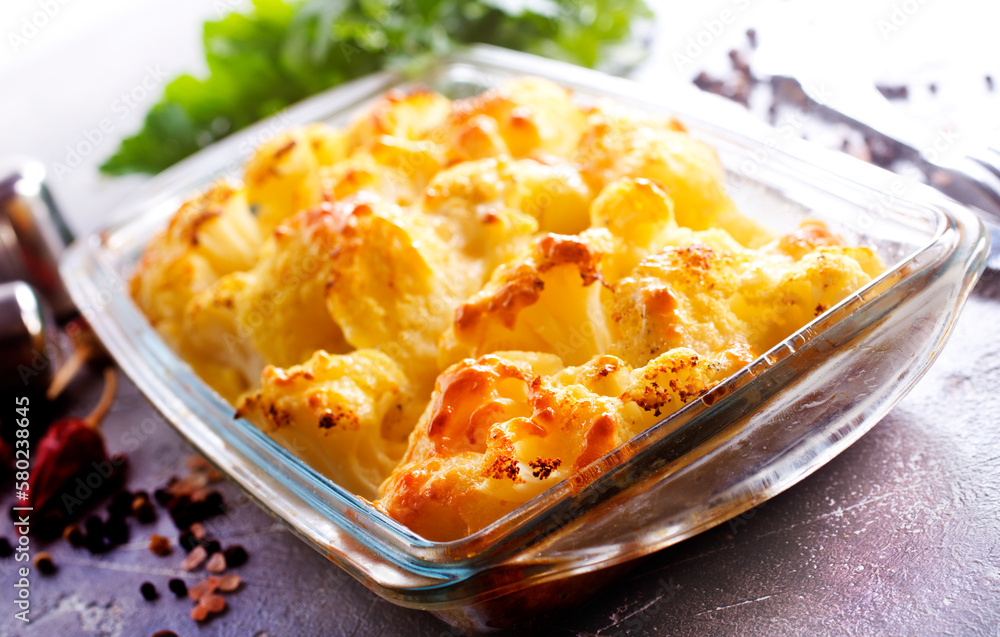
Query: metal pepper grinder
32,232
32,236
28,351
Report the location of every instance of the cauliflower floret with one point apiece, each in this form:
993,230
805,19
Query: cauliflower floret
411,114
211,340
521,118
282,177
555,196
394,285
275,313
462,470
639,216
667,383
501,429
814,236
347,416
679,297
208,237
777,302
687,169
710,294
550,301
395,168
282,310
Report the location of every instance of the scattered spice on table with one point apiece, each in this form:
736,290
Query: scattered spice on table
208,605
121,503
160,545
195,558
214,603
236,556
894,91
197,530
206,586
148,591
116,531
73,444
73,534
43,562
142,508
216,563
229,582
178,587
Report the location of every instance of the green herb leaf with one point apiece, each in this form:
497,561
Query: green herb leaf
282,51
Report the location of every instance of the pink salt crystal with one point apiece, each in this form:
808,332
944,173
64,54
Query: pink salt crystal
214,603
229,582
194,558
203,588
197,530
216,563
199,613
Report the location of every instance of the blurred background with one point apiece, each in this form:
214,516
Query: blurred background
69,66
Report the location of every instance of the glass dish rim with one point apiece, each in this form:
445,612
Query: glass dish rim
414,547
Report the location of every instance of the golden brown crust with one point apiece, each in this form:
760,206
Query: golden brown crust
450,306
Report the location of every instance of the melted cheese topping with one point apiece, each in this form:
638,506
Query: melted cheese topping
449,306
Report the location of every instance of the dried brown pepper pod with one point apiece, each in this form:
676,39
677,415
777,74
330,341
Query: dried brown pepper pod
86,347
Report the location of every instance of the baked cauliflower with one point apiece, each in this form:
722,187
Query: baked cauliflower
208,237
450,306
549,301
405,114
525,117
283,177
346,415
501,429
555,196
393,284
617,144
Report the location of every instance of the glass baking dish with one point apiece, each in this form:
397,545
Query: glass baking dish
758,433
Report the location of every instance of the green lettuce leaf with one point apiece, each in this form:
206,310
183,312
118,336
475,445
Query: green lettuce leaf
282,51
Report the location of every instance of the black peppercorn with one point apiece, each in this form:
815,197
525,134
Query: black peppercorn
236,555
178,587
148,591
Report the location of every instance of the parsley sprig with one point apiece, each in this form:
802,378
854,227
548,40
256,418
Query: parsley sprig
281,51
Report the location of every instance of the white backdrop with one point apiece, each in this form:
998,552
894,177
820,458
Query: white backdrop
69,68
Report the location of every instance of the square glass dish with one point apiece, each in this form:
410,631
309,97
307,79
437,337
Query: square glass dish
759,432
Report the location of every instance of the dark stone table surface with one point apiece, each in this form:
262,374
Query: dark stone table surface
899,535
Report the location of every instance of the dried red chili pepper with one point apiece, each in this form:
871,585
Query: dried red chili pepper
70,448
